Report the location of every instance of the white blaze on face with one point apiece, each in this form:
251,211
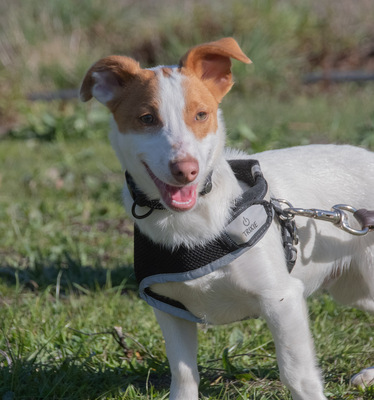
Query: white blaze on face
172,109
183,136
175,143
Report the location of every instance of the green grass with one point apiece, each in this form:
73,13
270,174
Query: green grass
63,345
66,278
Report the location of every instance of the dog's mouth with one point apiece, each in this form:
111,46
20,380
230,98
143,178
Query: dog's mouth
179,198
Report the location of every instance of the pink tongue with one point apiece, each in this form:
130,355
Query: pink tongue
180,198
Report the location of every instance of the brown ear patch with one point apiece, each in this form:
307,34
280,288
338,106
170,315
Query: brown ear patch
111,73
211,63
226,47
126,89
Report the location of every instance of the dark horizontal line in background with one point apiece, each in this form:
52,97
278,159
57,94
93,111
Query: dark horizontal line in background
326,76
339,76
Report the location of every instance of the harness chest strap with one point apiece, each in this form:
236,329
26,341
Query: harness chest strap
251,218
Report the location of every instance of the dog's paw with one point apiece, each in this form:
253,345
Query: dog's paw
364,378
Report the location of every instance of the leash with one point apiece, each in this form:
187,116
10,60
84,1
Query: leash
338,216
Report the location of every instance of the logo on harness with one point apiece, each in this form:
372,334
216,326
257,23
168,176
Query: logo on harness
245,225
250,228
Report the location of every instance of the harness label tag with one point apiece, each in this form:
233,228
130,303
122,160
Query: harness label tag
246,225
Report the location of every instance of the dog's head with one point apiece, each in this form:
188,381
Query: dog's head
167,132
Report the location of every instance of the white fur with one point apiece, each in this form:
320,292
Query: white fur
257,283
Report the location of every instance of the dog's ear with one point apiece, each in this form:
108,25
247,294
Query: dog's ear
106,77
211,63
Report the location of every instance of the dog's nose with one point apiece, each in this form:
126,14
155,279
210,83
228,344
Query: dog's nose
184,171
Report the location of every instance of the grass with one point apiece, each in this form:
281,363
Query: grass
66,280
64,346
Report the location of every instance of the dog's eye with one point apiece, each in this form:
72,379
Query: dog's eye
201,116
147,119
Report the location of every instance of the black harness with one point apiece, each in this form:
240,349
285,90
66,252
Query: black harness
250,219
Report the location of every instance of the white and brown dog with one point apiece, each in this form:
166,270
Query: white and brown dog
169,136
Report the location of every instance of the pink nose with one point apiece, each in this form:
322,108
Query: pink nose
184,171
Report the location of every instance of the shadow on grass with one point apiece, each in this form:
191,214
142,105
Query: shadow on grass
77,379
69,274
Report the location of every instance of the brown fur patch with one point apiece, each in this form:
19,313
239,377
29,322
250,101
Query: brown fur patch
211,62
118,68
138,96
198,98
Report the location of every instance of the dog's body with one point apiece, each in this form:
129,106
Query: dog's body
169,135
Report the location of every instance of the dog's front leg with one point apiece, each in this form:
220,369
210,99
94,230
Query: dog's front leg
286,314
181,349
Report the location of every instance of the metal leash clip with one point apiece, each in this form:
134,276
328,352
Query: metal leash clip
344,223
338,216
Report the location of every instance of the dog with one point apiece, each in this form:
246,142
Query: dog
169,135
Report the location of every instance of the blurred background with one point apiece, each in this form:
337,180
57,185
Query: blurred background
66,249
47,45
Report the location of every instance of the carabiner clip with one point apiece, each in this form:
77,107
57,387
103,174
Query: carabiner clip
344,223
